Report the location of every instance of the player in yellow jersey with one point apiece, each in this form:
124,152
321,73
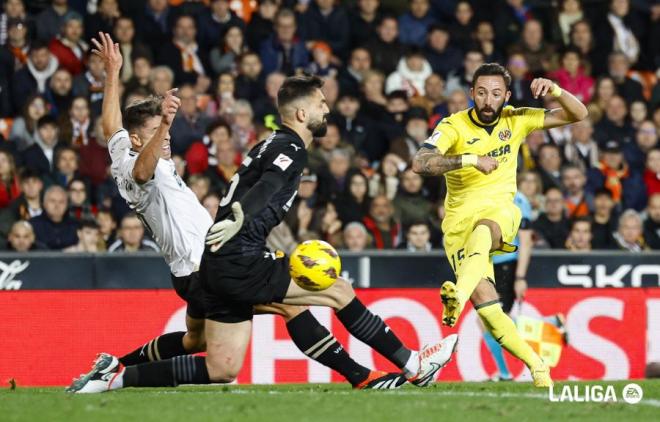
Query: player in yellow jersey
477,149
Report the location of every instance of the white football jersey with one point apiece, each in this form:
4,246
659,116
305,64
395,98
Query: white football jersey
167,207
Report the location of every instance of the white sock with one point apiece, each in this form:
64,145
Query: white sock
118,381
412,366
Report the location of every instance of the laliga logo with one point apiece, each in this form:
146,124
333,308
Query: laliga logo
631,394
9,271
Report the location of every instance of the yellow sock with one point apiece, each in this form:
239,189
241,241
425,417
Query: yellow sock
504,330
475,266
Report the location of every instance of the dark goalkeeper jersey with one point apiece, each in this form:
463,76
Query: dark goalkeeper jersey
273,168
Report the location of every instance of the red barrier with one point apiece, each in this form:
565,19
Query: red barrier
50,336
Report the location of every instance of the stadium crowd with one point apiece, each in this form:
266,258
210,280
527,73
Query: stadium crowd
392,70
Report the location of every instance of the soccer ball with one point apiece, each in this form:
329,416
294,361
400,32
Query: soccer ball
314,265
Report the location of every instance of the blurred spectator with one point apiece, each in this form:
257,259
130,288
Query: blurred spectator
244,134
10,188
154,24
224,57
529,184
411,73
582,38
68,46
617,32
413,25
325,21
75,126
33,77
66,166
53,227
211,202
14,55
386,180
130,236
604,220
80,207
182,54
638,113
434,100
139,77
582,150
12,10
301,213
200,185
646,138
552,226
22,239
214,26
60,92
354,128
190,123
509,20
355,236
384,230
579,237
261,24
94,159
51,19
549,162
89,238
603,92
328,224
416,133
463,25
652,172
222,103
221,155
652,222
578,203
618,66
441,55
615,124
354,202
462,78
131,49
417,238
40,157
265,108
319,155
629,234
570,12
410,203
457,101
283,51
107,14
249,84
107,226
25,126
358,64
385,49
484,36
334,180
161,79
538,54
363,21
571,76
625,183
90,83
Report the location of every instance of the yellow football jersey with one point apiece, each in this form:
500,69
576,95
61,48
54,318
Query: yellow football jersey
461,133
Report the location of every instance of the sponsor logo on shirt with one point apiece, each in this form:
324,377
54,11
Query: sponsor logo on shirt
283,161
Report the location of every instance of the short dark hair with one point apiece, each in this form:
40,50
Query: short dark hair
137,114
583,219
46,120
603,192
38,45
296,87
217,123
492,69
88,223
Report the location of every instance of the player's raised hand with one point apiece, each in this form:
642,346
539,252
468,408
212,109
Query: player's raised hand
222,231
109,52
486,164
170,105
540,87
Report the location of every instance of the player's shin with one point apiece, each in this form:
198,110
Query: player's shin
475,266
160,348
370,329
315,341
504,330
164,373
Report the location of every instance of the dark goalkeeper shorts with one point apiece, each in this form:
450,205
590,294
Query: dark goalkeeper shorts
189,289
233,284
505,277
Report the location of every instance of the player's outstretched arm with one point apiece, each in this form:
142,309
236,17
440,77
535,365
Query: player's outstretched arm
147,160
572,110
111,111
429,162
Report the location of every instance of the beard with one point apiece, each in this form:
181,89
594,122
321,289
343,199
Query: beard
485,118
318,128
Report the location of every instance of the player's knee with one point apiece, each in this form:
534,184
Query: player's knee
341,293
223,369
495,233
484,292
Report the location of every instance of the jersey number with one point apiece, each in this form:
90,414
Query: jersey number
230,193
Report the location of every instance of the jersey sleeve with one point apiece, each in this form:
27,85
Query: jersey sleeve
444,137
532,118
119,144
123,158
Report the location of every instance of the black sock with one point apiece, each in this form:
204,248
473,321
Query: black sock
315,341
370,329
168,373
163,347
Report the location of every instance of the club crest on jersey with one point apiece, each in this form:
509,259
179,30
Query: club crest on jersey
504,135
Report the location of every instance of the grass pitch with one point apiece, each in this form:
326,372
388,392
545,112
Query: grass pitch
454,402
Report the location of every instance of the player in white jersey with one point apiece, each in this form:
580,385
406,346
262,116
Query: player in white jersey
147,179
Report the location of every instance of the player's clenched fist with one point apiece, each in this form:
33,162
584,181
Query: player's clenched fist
486,164
170,105
541,86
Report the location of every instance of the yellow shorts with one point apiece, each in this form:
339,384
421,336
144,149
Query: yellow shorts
459,223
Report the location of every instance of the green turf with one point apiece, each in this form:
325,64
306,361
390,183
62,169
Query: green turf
452,402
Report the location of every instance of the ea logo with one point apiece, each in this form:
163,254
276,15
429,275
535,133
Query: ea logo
632,393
